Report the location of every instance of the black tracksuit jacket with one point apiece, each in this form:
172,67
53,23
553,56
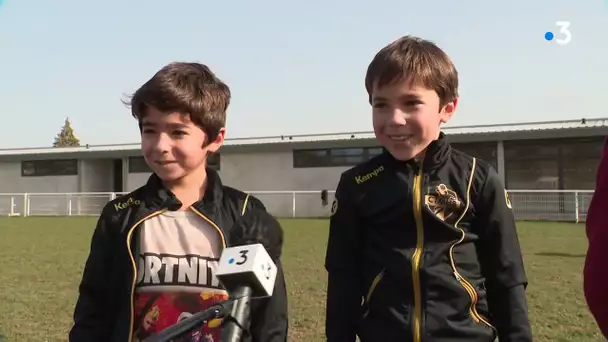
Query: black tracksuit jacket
424,251
104,310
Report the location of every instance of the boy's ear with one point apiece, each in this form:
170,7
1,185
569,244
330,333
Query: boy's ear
448,110
218,142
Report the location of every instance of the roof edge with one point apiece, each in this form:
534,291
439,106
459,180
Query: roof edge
320,137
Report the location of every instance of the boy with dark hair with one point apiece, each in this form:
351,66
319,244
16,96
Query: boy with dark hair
154,251
422,243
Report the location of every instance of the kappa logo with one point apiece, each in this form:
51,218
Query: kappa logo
122,205
364,178
444,202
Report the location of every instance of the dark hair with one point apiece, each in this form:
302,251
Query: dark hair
188,88
417,60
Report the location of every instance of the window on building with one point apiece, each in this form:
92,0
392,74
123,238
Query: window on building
531,164
557,164
580,160
138,164
328,157
42,168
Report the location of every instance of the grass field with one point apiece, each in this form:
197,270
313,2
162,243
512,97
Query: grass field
43,257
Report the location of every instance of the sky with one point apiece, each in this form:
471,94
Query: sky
293,67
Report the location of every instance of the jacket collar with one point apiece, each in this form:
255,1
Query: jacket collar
436,154
158,197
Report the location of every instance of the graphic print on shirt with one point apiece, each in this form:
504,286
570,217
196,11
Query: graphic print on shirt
157,270
178,257
444,203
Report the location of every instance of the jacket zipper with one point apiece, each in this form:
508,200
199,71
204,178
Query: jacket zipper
133,263
465,283
371,290
418,180
130,236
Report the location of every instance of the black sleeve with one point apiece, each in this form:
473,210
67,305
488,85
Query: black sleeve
254,203
501,262
342,264
91,314
269,321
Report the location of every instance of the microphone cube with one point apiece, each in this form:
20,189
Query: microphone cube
247,265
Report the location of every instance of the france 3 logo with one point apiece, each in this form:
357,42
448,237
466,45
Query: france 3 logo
563,35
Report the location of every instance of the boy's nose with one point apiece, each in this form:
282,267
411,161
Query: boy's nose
397,117
163,143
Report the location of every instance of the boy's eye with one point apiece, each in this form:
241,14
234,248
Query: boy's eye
379,105
413,102
148,131
179,133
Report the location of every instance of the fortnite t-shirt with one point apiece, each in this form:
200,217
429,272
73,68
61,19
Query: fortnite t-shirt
178,257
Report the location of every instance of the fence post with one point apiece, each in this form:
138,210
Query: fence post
69,204
576,208
12,212
26,207
293,204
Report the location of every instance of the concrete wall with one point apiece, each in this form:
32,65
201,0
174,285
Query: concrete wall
48,194
96,175
267,172
135,180
11,181
275,172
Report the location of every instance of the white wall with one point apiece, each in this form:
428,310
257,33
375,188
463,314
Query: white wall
96,175
275,171
47,195
11,181
135,180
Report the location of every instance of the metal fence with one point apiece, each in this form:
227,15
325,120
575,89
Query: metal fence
549,205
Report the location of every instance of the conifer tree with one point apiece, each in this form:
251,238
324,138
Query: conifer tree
66,137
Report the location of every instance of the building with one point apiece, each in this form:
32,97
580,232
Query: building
558,155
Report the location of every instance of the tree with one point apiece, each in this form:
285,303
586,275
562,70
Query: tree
66,137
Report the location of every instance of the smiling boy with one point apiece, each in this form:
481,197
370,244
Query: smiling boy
422,243
154,252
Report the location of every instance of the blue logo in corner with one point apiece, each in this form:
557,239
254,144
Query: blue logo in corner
231,260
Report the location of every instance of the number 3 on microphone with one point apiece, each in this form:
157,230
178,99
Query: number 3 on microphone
564,28
243,259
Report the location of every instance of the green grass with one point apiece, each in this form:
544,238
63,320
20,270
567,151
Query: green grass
42,261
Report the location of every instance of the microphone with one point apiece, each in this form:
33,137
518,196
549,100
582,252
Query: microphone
247,270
